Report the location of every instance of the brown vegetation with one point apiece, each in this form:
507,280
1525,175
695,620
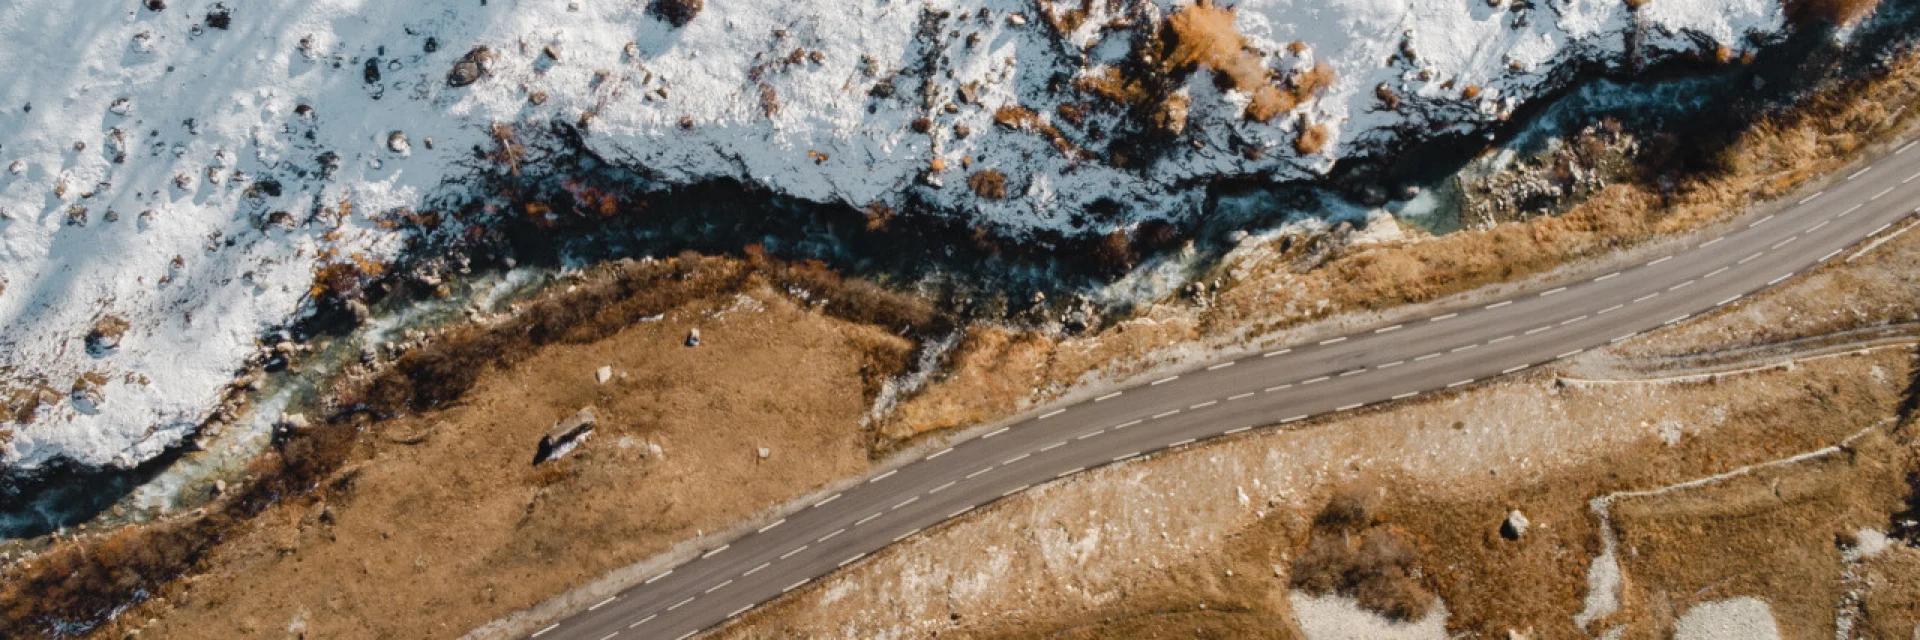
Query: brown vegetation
989,184
1203,34
1350,555
676,12
1312,139
1807,13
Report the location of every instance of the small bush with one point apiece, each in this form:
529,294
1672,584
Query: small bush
989,184
1312,139
1808,13
676,12
1350,555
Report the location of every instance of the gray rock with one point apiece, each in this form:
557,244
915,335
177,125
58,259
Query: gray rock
1514,526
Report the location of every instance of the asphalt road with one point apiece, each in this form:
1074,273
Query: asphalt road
1454,348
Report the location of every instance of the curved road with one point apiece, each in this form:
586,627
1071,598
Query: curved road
1454,348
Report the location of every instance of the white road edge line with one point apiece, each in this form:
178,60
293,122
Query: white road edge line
939,453
823,503
1779,279
1514,368
1237,430
541,632
1461,383
770,527
1109,396
1164,381
1388,329
995,432
1052,413
1404,396
1355,405
793,586
1281,352
1438,318
1552,291
1222,365
851,560
1664,259
1499,304
1295,419
1015,490
1569,354
1810,198
1727,301
1069,472
1181,443
906,535
1329,341
714,552
1611,276
890,472
663,574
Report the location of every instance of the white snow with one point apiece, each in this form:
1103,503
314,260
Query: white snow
125,80
1333,617
1740,618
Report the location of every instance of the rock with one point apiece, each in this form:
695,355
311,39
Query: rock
1017,19
471,67
1514,526
565,434
294,421
121,107
552,52
359,311
397,143
693,337
603,374
764,452
675,12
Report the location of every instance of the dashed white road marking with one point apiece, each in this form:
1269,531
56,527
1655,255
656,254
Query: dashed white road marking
1294,419
1237,430
1352,372
1716,272
1782,243
1831,254
1017,458
977,474
1761,221
1389,365
995,432
939,453
1514,368
1904,148
1645,298
1569,354
1611,309
541,632
1851,209
1677,319
1204,405
1461,383
1438,318
1053,446
755,570
1499,304
1682,285
679,604
906,535
1126,424
1281,352
1314,380
1882,193
1018,489
611,635
1069,472
1859,173
1052,413
770,527
1404,396
1727,301
1187,441
1537,330
1810,198
654,579
1569,321
1355,405
908,501
645,620
1611,276
793,586
1388,329
718,587
830,536
1329,341
735,613
1240,396
1622,338
1777,280
890,472
1710,243
714,552
794,552
823,503
1750,258
943,487
1222,365
1500,339
1817,226
865,520
959,513
686,635
1910,178
1552,291
1465,348
1657,262
1278,388
1092,434
1109,396
1876,230
1429,356
851,560
1164,381
1164,414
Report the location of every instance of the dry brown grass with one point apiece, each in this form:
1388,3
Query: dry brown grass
1312,139
1203,35
1807,13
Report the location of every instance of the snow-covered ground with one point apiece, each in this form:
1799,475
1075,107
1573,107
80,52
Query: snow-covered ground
147,154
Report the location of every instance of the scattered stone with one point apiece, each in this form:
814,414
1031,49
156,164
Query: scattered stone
765,452
603,374
121,107
693,337
105,335
1017,19
397,143
1514,526
538,98
551,51
294,421
359,311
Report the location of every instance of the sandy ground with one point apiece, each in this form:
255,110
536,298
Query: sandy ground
443,523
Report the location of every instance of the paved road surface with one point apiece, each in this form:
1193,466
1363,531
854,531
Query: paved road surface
1455,348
